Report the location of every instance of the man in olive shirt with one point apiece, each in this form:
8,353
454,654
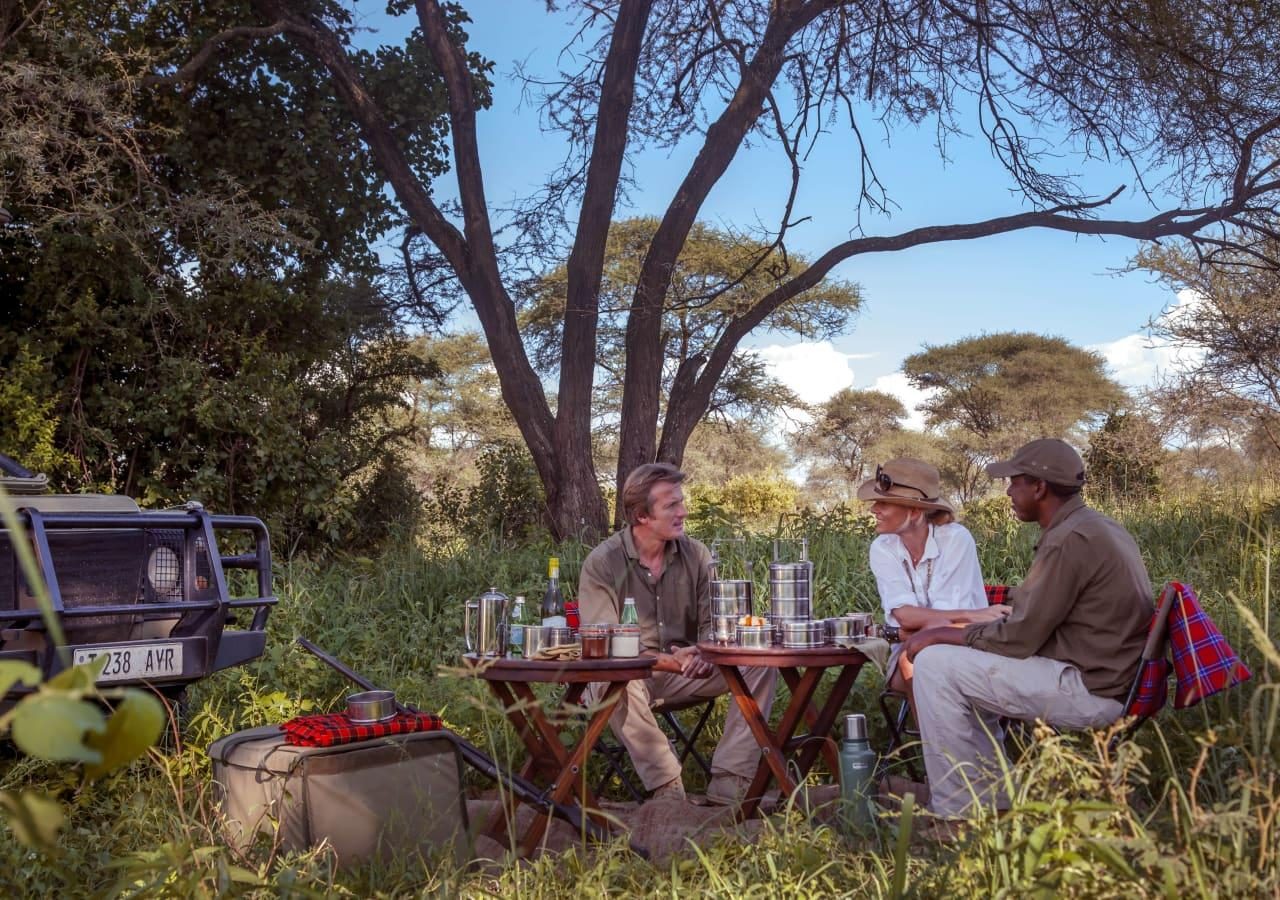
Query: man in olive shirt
1067,653
668,573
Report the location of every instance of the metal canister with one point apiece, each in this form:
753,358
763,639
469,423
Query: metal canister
862,621
731,597
791,585
778,623
844,628
755,637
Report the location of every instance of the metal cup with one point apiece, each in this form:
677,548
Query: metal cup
861,622
543,637
725,628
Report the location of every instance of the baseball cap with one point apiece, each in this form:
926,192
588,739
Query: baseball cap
1049,459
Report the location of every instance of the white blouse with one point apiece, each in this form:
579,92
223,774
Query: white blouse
947,577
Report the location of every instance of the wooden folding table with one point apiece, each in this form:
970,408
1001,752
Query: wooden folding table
550,763
802,670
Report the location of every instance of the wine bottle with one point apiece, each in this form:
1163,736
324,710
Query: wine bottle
553,600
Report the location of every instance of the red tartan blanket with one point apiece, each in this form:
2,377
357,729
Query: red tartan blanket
335,728
1202,659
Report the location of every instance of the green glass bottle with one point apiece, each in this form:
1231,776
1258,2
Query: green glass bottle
629,615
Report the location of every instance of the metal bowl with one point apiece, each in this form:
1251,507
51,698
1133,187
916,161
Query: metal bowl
800,635
542,637
755,637
847,627
369,707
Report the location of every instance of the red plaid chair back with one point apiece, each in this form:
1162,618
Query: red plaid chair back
1150,690
1153,689
997,594
1202,659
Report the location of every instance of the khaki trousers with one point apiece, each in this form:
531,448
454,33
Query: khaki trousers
637,729
960,695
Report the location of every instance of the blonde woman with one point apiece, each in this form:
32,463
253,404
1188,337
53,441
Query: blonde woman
925,563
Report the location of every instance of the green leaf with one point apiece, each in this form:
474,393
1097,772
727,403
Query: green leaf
79,679
133,727
34,819
1035,848
13,671
53,726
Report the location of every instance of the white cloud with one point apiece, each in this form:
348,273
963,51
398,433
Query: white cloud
911,397
814,371
1141,360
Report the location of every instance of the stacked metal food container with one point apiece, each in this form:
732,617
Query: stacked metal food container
790,622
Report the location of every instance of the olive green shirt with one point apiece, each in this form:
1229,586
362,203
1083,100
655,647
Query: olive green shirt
1086,601
674,608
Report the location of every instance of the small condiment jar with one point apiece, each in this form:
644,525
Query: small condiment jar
595,641
624,641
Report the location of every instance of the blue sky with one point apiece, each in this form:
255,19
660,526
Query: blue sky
1039,280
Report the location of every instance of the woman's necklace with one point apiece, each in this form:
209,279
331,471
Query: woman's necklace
928,578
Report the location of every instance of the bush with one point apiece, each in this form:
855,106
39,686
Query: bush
507,505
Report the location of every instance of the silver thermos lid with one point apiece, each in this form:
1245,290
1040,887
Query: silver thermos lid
855,727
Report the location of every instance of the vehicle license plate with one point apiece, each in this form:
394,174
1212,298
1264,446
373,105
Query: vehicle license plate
137,662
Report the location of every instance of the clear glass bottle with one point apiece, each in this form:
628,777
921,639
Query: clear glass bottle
553,600
515,630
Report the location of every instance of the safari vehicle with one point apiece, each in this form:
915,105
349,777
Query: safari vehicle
149,590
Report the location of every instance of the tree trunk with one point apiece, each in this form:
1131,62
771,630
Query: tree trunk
575,504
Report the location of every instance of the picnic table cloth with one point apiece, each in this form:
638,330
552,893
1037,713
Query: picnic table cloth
876,650
332,729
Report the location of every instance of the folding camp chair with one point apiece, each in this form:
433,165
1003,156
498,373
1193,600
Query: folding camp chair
1202,660
684,741
897,719
1150,689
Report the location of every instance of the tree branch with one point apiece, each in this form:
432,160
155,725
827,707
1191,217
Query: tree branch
1174,223
192,67
723,138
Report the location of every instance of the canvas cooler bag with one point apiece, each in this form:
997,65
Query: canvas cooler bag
370,798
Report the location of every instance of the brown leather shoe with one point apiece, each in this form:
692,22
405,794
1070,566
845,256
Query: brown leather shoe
672,790
892,788
937,830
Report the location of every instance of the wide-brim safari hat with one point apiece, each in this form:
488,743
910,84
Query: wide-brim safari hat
906,482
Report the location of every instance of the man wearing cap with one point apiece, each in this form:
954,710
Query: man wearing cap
1067,652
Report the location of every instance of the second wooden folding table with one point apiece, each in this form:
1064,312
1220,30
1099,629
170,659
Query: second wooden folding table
802,670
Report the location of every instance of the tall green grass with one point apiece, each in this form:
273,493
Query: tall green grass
1191,807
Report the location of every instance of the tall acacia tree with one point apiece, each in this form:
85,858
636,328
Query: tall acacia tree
844,428
990,393
1155,87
